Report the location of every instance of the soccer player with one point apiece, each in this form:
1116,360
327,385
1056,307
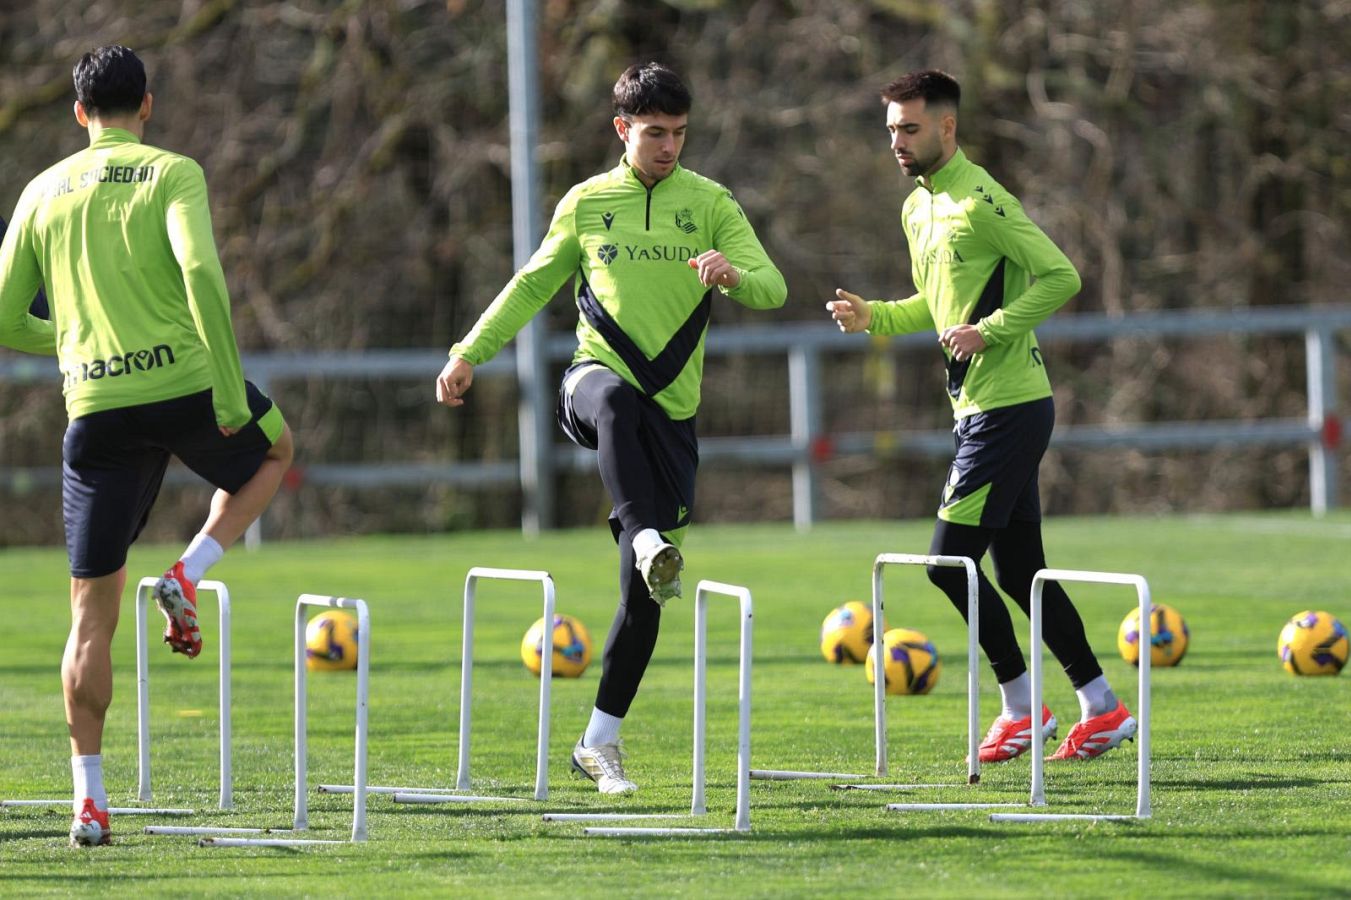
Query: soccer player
984,276
121,235
647,242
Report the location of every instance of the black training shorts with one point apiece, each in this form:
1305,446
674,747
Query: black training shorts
993,478
113,463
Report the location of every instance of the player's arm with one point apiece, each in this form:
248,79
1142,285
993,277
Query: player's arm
1017,237
738,264
550,266
854,314
899,316
188,220
20,279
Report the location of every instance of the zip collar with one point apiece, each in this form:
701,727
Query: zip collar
631,175
947,176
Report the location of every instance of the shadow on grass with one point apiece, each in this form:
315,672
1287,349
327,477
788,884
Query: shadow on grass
1286,881
53,833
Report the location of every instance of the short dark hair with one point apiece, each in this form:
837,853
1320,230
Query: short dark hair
647,88
110,80
931,85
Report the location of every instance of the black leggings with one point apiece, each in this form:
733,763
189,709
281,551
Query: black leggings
1017,554
633,637
647,462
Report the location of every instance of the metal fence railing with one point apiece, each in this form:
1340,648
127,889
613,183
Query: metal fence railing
807,445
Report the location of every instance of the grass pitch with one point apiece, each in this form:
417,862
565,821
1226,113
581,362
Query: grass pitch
1251,770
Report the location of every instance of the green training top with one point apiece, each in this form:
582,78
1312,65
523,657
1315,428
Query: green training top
644,312
974,253
121,234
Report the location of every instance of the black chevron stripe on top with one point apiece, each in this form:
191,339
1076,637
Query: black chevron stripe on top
654,375
991,298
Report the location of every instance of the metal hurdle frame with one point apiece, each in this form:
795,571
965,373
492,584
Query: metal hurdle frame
301,818
1038,797
445,795
879,691
143,593
698,806
466,680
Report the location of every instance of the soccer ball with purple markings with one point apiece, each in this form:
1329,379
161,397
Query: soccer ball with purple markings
571,647
847,633
1313,643
1169,636
911,662
332,642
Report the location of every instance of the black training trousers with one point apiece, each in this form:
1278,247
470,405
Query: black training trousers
647,463
1017,553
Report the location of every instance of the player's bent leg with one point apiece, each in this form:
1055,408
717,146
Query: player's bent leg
231,514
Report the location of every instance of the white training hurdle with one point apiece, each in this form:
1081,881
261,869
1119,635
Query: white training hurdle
301,817
1038,795
143,594
880,766
698,807
448,795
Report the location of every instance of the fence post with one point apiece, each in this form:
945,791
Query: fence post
532,366
1321,363
804,398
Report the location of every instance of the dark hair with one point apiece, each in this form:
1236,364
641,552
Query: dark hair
650,88
110,80
931,85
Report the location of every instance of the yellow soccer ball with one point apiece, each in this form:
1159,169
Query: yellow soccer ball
1168,636
911,662
1313,643
332,642
847,633
572,647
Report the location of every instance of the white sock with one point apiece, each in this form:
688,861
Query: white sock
602,729
88,773
646,542
1095,698
202,554
1017,697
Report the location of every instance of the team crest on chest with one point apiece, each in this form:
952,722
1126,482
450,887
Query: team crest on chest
684,220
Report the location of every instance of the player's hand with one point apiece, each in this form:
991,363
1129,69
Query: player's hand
851,312
227,430
963,341
453,381
714,269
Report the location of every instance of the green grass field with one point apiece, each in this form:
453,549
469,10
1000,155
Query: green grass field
1251,767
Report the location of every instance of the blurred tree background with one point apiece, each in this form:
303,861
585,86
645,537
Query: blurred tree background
1184,153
